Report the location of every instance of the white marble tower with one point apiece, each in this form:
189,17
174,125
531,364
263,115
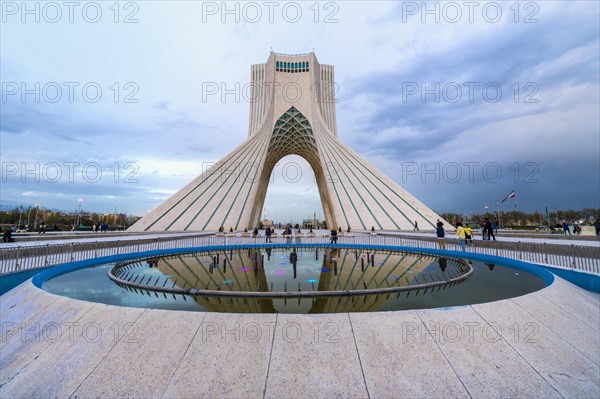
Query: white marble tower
292,111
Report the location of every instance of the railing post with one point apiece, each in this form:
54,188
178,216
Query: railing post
18,265
545,250
573,254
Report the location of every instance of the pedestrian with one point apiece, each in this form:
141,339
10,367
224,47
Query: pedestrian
597,226
565,226
416,226
7,237
42,228
334,236
488,229
94,228
441,233
268,234
288,234
460,232
577,229
468,233
255,233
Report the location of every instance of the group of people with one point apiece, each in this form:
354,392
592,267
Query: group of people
103,227
577,228
288,232
269,232
464,233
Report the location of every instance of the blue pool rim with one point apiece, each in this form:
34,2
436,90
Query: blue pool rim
45,275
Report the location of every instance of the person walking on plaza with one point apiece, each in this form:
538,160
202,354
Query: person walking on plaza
441,233
268,234
416,226
460,232
565,227
577,229
489,229
597,226
7,237
468,236
334,236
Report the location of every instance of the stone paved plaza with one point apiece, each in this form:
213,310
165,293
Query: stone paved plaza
544,344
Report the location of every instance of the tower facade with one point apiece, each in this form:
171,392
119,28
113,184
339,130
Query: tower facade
292,111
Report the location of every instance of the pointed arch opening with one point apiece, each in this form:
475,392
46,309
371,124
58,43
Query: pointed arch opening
292,136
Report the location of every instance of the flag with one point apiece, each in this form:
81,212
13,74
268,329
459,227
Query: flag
511,195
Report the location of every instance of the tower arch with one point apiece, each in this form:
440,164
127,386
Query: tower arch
292,135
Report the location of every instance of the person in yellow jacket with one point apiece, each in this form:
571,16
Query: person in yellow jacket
468,236
460,232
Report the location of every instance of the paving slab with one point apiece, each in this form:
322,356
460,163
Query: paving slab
580,336
28,337
571,300
397,360
24,303
228,358
487,365
571,373
73,353
14,296
142,365
314,357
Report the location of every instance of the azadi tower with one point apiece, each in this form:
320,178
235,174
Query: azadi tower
292,111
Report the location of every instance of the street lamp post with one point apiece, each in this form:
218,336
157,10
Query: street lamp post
79,201
28,217
37,209
486,209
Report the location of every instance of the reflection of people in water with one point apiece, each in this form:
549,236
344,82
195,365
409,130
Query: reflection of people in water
294,261
152,262
268,251
443,262
490,266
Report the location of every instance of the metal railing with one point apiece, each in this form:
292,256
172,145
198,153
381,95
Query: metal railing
15,259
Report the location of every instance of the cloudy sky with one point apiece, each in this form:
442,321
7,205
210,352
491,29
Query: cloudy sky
458,102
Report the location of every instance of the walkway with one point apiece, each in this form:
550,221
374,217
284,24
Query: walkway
545,344
587,242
